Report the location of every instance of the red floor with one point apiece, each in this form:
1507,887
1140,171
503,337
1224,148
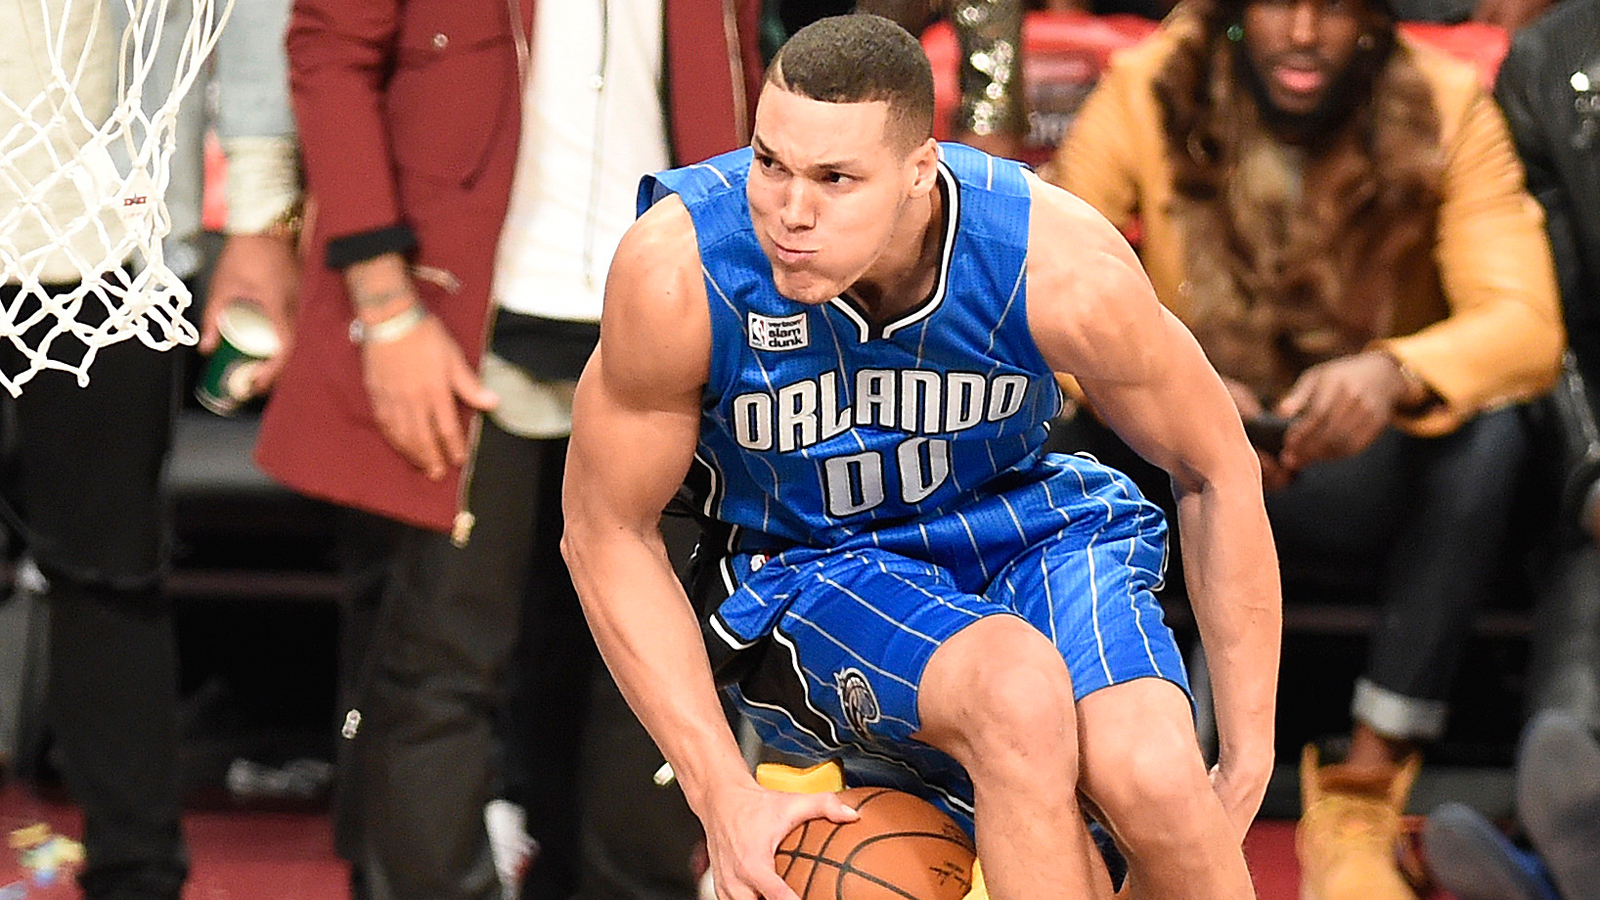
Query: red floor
234,855
250,855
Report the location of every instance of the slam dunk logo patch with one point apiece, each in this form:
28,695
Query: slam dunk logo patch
786,333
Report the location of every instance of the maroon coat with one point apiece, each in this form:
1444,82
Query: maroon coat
409,114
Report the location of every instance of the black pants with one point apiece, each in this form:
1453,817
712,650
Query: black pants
422,761
1564,671
548,700
575,758
1421,523
86,497
464,636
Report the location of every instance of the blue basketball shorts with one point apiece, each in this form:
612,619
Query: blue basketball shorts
834,641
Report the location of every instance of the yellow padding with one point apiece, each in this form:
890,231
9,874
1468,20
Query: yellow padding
821,778
979,890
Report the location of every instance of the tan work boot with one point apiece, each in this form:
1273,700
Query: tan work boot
1349,831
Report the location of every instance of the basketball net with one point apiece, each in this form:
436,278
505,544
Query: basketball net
84,189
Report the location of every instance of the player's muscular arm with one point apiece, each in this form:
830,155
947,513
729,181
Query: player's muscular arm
635,422
1095,316
635,428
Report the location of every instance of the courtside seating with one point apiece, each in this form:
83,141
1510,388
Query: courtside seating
1063,54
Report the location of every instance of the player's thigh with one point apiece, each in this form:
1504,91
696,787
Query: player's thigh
847,656
1093,597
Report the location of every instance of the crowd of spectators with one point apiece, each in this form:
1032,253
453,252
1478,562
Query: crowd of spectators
1385,265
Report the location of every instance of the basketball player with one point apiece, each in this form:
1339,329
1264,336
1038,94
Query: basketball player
847,337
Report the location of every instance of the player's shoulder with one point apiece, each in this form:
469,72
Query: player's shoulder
1087,294
662,235
1067,236
655,320
658,251
655,283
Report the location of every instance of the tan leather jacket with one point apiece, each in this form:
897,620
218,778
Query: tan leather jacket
1478,319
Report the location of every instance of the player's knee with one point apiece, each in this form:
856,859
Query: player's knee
1153,786
1017,713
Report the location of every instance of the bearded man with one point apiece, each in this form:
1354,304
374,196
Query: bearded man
1340,218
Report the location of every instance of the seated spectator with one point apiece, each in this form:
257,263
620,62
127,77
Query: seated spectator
1339,217
1549,88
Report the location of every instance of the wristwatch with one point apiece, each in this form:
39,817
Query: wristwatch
288,223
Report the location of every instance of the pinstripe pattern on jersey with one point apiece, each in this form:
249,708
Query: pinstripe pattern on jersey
919,413
1077,557
831,605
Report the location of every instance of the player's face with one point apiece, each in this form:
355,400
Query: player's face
1299,49
827,187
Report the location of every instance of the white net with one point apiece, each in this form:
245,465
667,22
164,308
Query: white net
89,98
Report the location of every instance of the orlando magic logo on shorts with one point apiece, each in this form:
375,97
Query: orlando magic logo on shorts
859,703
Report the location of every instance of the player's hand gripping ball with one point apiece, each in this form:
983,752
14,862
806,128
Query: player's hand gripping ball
902,848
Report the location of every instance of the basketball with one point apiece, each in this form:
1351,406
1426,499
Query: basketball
902,848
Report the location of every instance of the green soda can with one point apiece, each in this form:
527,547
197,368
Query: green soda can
248,340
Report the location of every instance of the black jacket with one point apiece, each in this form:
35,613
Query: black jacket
1557,130
1549,87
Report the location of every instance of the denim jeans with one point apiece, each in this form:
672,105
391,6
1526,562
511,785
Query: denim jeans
1419,523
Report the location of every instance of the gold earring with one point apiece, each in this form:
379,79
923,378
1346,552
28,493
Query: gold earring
1366,41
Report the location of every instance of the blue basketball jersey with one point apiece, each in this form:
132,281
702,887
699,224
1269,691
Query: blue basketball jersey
819,426
886,487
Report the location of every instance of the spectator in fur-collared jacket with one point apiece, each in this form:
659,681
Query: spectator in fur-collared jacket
1339,216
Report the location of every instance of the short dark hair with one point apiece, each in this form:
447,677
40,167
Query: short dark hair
860,58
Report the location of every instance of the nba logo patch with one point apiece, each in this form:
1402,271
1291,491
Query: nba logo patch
786,333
